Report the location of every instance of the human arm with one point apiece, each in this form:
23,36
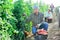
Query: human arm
28,19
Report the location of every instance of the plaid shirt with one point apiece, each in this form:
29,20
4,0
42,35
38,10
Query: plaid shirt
36,19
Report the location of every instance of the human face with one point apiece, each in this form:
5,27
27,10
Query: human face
36,11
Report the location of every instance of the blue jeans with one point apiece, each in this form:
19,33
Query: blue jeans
43,25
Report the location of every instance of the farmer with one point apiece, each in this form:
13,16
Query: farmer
52,7
37,19
49,16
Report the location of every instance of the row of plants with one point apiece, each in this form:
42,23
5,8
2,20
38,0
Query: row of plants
12,19
7,20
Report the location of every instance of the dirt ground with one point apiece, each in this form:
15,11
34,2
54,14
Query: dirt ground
54,31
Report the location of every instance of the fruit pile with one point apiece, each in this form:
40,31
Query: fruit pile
42,31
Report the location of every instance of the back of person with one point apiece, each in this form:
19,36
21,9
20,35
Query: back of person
52,7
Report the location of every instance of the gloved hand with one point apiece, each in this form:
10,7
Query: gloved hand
39,24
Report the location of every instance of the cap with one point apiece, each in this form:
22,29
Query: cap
35,7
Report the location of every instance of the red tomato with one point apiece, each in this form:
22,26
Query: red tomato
42,32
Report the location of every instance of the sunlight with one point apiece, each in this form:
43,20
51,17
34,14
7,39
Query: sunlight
55,2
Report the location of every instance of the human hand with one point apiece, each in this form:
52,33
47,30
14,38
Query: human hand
39,24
